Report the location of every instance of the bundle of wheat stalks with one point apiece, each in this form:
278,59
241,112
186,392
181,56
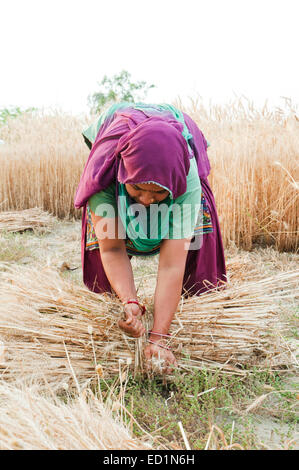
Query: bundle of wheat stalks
29,219
50,327
32,421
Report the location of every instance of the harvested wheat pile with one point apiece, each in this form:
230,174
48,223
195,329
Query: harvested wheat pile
30,421
238,325
49,325
30,219
258,264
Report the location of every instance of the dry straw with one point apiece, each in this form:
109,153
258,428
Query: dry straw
30,219
43,315
31,421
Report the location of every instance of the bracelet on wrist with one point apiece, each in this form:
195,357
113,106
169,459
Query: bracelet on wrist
135,301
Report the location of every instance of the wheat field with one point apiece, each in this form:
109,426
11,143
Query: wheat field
254,158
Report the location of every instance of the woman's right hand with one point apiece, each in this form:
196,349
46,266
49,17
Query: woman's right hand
132,325
166,356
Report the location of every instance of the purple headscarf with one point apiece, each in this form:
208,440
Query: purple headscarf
133,148
155,151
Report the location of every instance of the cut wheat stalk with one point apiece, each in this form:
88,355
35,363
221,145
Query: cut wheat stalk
31,421
29,219
229,330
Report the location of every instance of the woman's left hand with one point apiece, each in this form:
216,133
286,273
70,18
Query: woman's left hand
165,355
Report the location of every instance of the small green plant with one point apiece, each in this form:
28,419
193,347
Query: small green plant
201,400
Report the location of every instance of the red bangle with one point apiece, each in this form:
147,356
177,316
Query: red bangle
137,303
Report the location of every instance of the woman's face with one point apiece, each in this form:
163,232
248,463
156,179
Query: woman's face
147,193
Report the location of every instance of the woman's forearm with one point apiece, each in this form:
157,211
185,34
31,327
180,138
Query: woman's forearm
167,296
119,272
171,270
114,257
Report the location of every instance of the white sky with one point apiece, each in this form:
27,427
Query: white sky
53,53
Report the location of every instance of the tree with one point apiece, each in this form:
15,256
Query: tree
13,112
117,88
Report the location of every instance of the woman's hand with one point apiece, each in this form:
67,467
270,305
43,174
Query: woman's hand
162,354
132,325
